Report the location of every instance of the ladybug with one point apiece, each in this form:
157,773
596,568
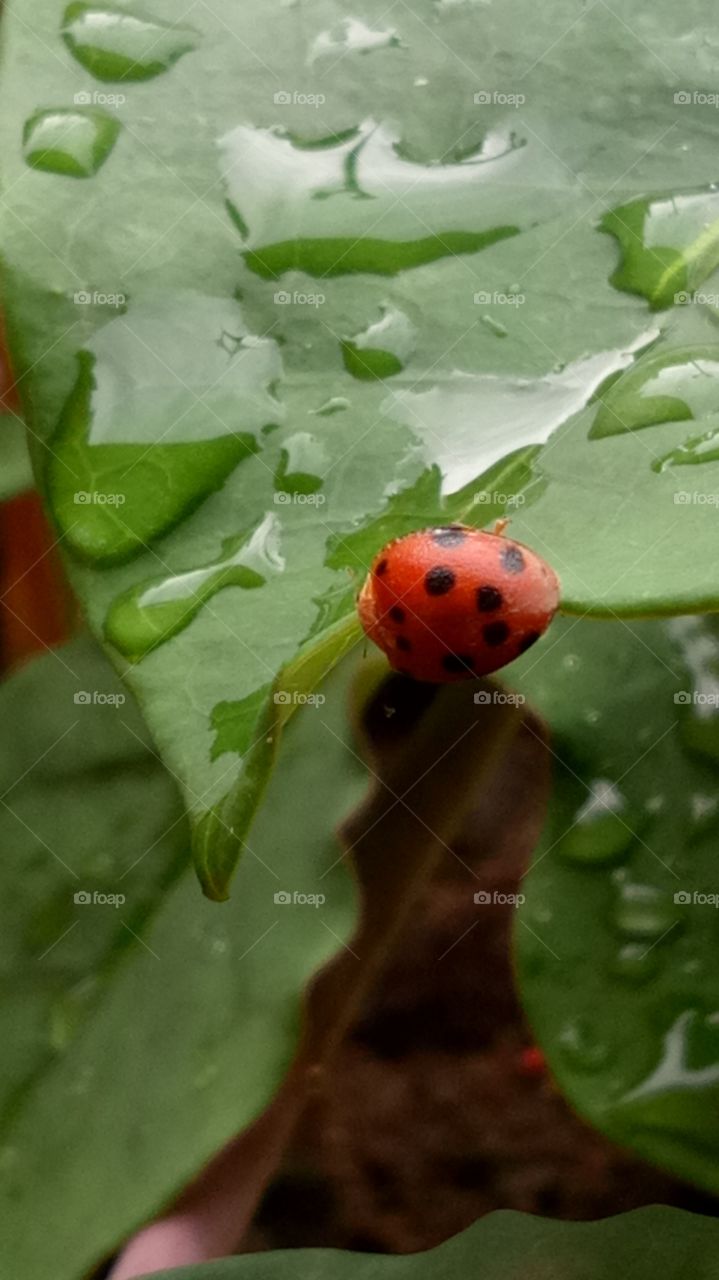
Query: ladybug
454,603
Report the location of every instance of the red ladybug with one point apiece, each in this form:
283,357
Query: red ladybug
454,603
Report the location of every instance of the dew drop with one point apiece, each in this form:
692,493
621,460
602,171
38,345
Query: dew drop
335,404
72,142
581,1047
350,35
355,202
115,45
383,348
302,460
644,911
151,613
636,963
603,827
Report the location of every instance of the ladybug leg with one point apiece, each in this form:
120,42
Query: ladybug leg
500,526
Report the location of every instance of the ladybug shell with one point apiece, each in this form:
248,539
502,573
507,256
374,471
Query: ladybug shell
453,603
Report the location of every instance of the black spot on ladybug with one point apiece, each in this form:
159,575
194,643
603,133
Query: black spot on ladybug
488,599
496,632
438,580
404,644
381,568
450,536
527,641
512,558
397,614
455,663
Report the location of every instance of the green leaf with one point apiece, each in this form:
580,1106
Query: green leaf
507,1246
616,938
316,305
118,1017
15,469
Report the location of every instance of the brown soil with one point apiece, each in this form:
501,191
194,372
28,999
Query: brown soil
434,1113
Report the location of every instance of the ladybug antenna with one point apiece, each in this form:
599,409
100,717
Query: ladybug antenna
500,526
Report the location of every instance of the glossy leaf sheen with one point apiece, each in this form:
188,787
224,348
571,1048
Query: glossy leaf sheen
617,937
117,1020
508,1246
256,233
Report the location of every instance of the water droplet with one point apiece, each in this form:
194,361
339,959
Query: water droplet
383,348
113,44
603,827
356,202
644,911
669,244
696,449
495,326
516,412
636,963
335,404
678,1096
420,82
581,1047
698,642
350,35
151,613
74,142
665,386
302,460
168,400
